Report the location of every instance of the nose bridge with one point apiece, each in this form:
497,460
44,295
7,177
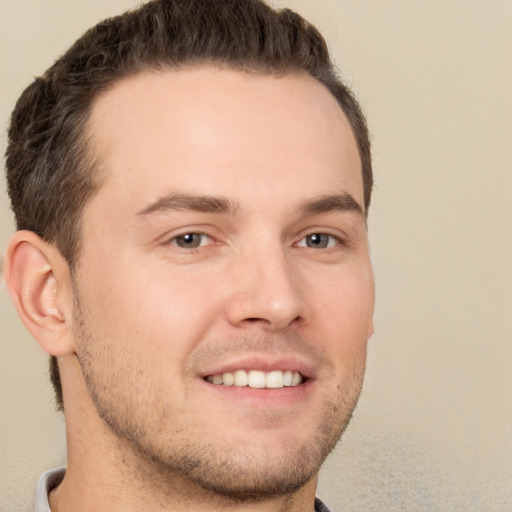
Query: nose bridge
267,288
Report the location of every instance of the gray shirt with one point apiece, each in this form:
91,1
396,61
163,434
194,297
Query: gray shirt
53,478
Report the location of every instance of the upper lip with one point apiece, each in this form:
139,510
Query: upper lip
264,363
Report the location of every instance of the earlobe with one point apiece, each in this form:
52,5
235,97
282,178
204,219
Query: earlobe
38,280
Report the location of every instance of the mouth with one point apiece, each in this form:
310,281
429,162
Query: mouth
258,379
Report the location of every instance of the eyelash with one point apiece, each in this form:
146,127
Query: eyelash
331,242
175,240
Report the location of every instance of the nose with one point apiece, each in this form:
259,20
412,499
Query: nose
266,292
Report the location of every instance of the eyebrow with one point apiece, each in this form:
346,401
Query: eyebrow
216,204
207,204
330,203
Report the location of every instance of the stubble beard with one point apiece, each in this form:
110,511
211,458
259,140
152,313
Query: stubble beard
237,473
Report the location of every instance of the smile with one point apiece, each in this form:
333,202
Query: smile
257,379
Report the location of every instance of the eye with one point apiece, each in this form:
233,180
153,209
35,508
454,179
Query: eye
191,240
319,241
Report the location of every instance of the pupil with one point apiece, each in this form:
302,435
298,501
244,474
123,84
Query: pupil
317,240
189,240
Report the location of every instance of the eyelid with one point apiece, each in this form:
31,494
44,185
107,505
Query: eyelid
338,240
172,240
335,232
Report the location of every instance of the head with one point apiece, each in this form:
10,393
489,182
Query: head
57,171
50,169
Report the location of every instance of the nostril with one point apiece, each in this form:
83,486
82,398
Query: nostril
270,323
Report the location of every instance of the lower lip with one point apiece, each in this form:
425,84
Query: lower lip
262,397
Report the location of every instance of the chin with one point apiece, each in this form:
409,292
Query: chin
248,470
251,475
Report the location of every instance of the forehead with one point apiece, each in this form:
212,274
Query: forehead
221,131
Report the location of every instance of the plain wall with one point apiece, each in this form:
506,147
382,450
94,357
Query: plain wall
433,429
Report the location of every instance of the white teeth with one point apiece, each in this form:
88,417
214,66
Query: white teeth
296,379
274,379
257,379
228,379
241,378
287,378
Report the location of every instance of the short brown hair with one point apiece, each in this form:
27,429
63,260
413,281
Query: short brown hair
50,173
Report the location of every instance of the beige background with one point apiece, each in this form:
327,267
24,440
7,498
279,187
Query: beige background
433,430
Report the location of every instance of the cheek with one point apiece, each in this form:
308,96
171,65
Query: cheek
347,296
149,305
344,312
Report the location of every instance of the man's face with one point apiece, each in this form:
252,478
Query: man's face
225,244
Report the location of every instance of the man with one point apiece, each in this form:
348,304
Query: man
191,182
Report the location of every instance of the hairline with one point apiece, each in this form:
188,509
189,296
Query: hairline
87,139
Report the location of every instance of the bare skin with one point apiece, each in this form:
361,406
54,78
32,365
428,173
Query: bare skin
227,234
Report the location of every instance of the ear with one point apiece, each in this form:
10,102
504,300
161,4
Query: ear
371,329
39,281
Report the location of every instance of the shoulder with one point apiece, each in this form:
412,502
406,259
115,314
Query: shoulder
47,481
320,507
